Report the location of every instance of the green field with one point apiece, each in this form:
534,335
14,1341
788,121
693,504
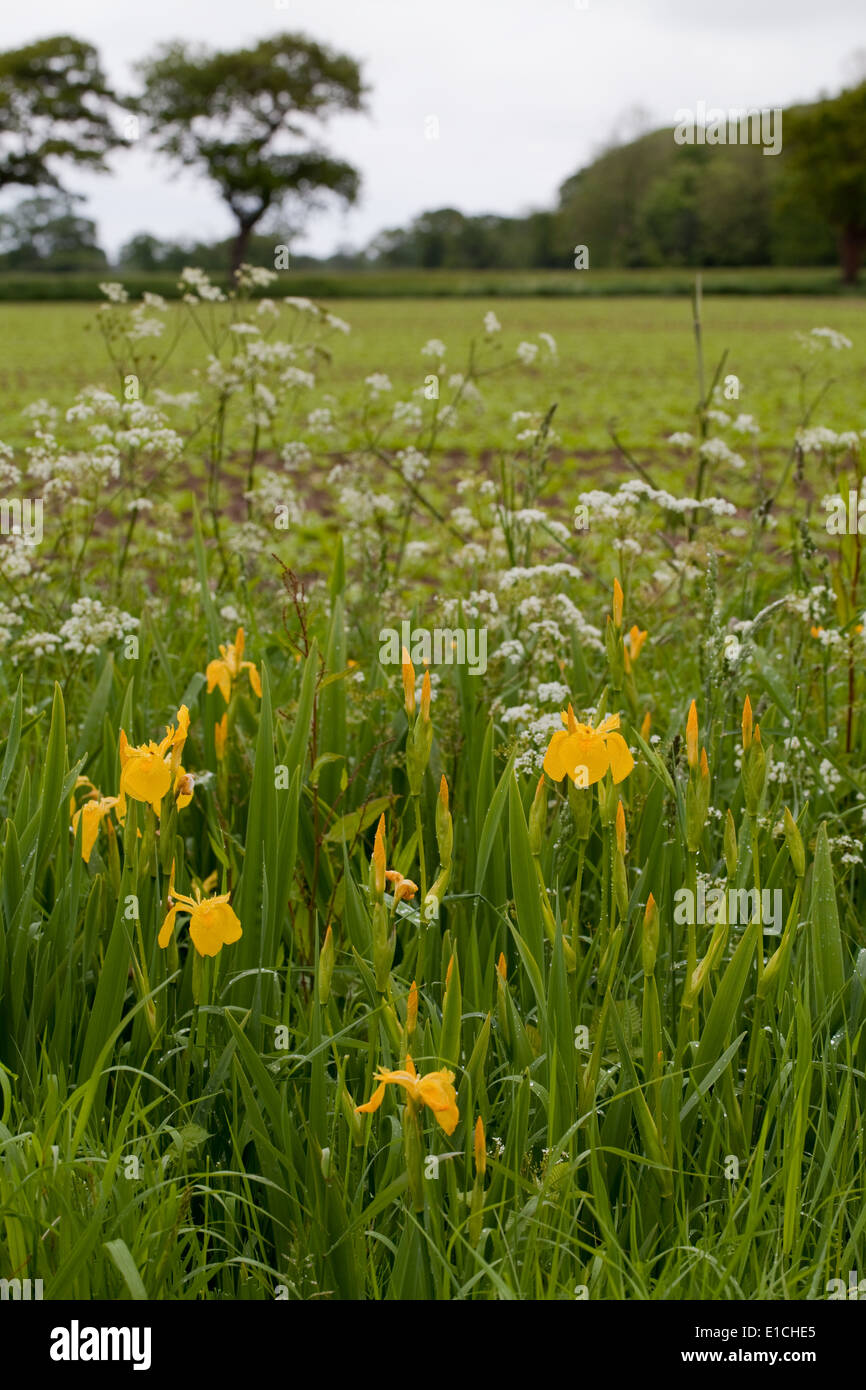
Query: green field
631,360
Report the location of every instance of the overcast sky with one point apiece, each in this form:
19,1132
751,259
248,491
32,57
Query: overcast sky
524,91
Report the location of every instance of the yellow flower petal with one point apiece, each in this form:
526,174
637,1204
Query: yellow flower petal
167,927
146,777
636,641
182,726
90,814
610,722
205,934
592,756
212,925
374,1102
230,923
621,760
555,763
255,679
218,674
437,1091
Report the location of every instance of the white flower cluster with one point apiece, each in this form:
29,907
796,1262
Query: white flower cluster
197,287
114,292
9,619
621,506
274,495
321,421
296,454
408,413
295,378
364,506
819,338
717,451
530,422
142,323
413,464
817,439
92,624
811,607
553,693
377,384
524,578
255,276
851,850
182,400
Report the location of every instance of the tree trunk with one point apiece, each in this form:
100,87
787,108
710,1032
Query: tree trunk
239,248
851,244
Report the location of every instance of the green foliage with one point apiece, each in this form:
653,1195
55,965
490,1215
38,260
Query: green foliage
239,118
826,143
55,107
46,233
654,202
667,1111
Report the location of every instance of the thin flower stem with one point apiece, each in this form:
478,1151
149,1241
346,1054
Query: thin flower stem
422,866
756,866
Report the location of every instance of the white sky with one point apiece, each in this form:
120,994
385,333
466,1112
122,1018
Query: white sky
525,91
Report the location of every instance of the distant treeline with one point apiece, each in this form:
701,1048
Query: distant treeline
650,203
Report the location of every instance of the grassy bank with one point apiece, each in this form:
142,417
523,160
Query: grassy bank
462,284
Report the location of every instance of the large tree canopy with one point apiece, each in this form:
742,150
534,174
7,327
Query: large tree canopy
825,145
248,120
54,106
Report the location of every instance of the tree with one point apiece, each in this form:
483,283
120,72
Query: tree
247,120
54,107
825,149
142,252
46,233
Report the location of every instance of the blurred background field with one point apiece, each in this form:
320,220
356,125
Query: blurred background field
631,360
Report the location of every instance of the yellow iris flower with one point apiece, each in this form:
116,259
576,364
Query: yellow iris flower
212,923
148,770
585,754
92,813
435,1090
225,669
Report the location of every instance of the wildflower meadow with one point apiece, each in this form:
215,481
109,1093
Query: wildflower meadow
430,872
